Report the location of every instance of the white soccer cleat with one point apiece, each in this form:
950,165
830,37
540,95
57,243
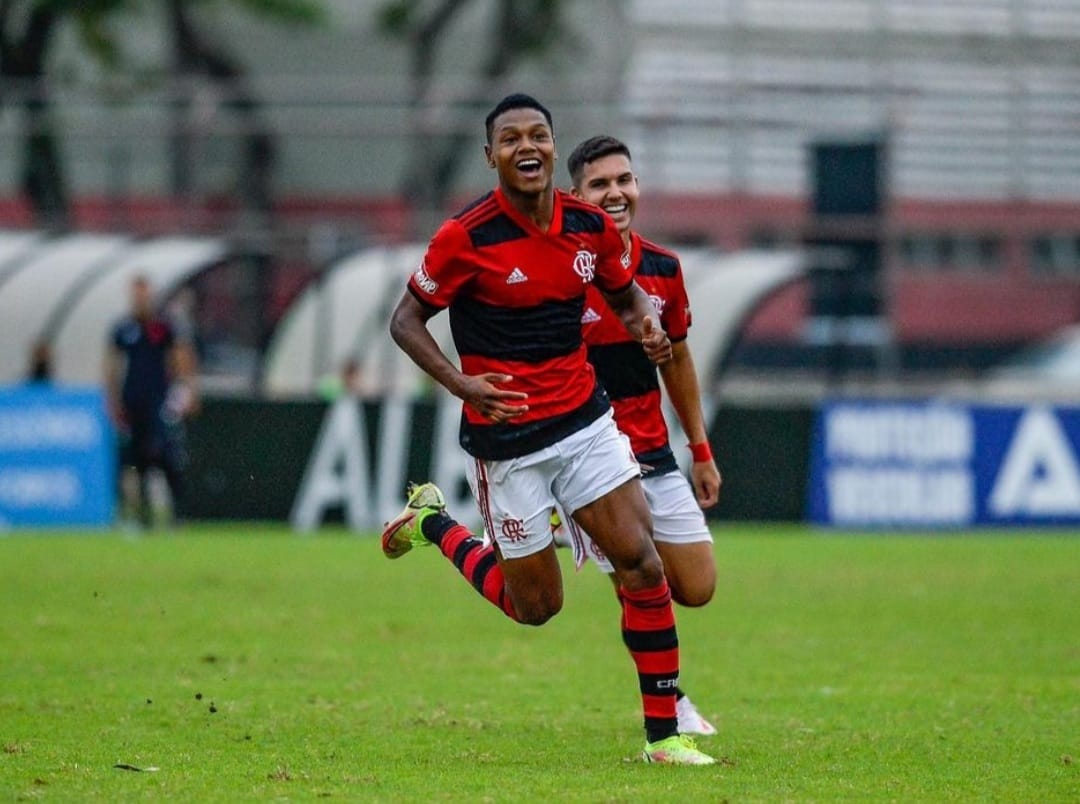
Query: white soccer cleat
690,719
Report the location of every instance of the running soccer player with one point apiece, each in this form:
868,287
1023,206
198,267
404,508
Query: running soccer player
602,173
513,268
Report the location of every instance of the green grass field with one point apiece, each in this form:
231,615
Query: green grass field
252,664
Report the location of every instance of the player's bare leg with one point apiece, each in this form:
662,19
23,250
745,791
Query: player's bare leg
690,570
621,525
534,584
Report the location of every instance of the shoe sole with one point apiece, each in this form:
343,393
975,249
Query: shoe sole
663,759
390,548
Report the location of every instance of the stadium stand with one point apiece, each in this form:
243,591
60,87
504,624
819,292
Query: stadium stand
980,97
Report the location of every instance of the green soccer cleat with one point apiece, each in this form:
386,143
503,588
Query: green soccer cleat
403,532
677,750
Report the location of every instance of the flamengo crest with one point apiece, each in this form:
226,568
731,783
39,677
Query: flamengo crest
513,530
585,265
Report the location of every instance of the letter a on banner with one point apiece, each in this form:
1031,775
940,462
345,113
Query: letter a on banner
337,474
1039,476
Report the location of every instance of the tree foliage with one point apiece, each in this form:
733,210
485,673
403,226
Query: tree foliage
28,29
518,30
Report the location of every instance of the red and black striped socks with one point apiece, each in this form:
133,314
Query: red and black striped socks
475,561
648,620
648,628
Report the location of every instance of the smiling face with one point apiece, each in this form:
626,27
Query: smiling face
522,151
609,182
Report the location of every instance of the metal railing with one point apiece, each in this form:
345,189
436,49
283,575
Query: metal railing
979,98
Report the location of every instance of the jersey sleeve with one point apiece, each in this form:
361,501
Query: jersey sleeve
676,318
612,270
445,267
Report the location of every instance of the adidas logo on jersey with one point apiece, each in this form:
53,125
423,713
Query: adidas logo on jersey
590,316
516,276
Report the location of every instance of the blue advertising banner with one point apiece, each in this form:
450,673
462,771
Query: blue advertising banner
57,458
939,464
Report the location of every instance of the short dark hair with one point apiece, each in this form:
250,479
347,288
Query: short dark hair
592,149
518,100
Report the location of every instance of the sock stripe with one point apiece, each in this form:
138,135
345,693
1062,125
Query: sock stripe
651,641
461,554
659,706
506,605
664,682
453,537
647,598
436,526
657,662
484,565
657,728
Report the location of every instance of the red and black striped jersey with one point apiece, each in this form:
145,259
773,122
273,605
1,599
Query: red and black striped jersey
516,296
621,365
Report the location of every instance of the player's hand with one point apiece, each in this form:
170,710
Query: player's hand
182,400
706,480
655,341
481,391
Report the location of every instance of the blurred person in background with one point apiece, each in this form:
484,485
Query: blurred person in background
348,381
40,369
602,173
150,371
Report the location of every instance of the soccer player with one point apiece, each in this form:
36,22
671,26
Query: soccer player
513,268
601,172
149,384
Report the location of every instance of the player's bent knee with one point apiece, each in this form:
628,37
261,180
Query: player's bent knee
692,596
691,572
537,609
642,571
536,614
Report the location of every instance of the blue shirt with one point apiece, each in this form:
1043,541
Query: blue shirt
146,345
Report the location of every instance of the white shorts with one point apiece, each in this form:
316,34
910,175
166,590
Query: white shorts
677,519
516,496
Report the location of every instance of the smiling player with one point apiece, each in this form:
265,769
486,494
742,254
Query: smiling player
602,173
513,269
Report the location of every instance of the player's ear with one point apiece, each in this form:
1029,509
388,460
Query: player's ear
574,191
489,155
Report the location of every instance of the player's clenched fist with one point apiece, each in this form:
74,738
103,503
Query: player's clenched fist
655,341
